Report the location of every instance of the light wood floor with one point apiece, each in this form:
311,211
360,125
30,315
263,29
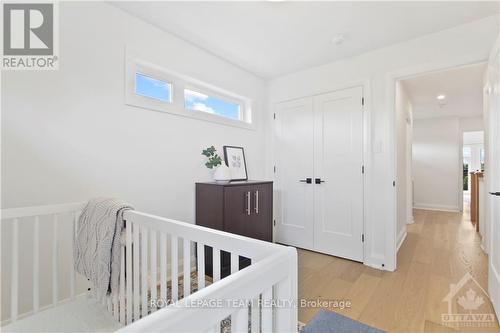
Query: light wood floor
439,249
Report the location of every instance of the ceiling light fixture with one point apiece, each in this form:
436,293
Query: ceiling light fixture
441,97
338,39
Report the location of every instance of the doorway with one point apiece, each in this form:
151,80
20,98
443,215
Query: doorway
445,110
439,140
473,160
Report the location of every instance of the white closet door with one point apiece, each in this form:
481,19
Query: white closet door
338,161
294,157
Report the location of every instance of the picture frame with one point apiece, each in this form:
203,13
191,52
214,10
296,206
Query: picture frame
235,160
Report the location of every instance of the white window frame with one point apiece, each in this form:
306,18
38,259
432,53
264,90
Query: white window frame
178,83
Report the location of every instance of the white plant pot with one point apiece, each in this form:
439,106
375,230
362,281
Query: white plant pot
222,174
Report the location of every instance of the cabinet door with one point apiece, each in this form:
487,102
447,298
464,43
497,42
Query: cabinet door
260,226
237,209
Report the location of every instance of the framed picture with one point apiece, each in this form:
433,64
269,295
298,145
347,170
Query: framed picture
235,160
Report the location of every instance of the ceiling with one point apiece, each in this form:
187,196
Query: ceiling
273,38
463,88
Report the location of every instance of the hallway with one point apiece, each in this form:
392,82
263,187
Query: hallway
439,249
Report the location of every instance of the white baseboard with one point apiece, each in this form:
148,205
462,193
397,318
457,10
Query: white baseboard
376,263
444,208
401,239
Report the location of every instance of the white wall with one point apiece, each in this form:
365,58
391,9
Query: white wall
467,43
403,127
409,168
436,163
468,124
67,135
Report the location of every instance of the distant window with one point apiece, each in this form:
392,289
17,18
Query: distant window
481,158
467,153
153,88
198,101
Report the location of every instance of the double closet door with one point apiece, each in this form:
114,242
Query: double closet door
319,173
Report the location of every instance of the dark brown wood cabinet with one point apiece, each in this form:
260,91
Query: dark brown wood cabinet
243,207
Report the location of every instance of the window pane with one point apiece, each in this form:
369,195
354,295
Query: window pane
467,155
153,88
194,100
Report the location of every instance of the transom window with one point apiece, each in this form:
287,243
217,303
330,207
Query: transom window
153,88
198,101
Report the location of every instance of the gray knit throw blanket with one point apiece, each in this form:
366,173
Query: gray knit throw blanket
97,245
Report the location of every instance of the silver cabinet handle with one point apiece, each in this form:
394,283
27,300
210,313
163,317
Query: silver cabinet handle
248,203
256,202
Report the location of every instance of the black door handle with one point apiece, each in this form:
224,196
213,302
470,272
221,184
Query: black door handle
495,193
318,181
307,180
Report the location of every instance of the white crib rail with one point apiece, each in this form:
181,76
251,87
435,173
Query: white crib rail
157,253
18,215
271,276
12,213
274,277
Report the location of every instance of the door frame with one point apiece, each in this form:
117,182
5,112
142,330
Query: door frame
493,272
462,146
365,84
390,96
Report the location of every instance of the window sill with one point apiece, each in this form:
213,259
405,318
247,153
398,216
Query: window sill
141,102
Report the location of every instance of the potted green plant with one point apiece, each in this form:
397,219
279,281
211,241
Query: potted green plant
222,173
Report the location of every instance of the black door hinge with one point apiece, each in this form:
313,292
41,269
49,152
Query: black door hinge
362,101
394,183
363,238
274,222
274,168
363,169
274,115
